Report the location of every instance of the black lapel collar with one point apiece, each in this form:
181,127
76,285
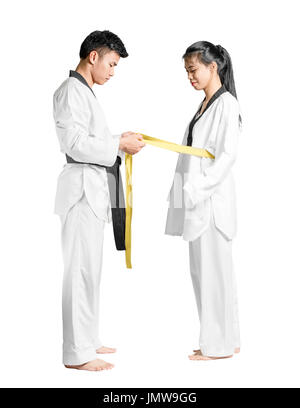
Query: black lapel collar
195,119
76,74
215,96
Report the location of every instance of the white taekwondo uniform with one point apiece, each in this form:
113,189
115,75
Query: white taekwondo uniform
83,203
202,209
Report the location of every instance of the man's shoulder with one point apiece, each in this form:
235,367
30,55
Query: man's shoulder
69,84
61,87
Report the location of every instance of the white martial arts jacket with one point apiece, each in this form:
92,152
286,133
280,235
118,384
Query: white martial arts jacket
83,134
201,184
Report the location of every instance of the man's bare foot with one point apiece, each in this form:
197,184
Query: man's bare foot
93,365
199,356
105,350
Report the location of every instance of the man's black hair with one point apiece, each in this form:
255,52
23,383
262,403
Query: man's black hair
102,42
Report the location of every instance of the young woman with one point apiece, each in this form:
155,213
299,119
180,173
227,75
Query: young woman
202,199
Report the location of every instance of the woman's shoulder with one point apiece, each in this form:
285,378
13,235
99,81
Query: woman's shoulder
229,103
228,98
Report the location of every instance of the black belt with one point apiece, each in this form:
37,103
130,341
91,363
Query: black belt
118,208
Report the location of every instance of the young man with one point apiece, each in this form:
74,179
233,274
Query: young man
84,197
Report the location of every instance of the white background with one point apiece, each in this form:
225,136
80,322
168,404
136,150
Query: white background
149,313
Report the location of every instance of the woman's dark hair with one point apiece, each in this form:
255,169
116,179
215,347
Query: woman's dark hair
102,42
207,53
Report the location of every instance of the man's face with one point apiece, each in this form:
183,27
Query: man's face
103,67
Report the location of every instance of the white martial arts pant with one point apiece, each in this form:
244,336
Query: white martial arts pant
214,285
82,245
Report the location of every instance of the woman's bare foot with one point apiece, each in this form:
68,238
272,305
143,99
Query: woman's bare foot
236,351
93,365
199,356
105,350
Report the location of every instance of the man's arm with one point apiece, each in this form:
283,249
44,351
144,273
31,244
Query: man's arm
71,117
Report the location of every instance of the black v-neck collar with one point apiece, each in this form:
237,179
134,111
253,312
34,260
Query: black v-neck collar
195,119
215,96
76,74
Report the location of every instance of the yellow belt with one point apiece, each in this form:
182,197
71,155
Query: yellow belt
128,170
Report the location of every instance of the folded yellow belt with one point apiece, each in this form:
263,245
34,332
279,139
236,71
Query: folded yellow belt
128,170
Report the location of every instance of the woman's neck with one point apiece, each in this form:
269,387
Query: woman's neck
211,89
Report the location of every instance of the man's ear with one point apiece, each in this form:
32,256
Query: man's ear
93,56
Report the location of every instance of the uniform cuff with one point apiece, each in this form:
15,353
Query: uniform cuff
121,154
189,195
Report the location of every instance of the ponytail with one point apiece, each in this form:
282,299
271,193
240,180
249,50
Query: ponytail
226,71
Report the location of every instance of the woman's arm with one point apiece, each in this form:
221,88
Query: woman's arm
200,187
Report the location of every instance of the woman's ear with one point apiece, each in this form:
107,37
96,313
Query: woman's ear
213,67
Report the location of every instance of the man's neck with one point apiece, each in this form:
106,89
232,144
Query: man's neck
84,71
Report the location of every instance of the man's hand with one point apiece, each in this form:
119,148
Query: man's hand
131,142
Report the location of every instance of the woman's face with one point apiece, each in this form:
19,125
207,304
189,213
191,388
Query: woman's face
199,74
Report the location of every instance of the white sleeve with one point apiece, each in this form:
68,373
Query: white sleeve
200,187
122,155
71,116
